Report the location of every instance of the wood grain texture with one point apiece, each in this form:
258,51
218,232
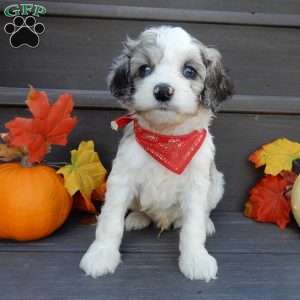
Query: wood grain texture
55,276
231,226
254,260
236,136
261,6
10,96
262,61
123,12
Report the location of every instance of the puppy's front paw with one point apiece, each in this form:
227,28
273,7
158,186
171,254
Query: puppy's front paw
200,266
98,261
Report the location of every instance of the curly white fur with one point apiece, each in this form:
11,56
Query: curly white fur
154,193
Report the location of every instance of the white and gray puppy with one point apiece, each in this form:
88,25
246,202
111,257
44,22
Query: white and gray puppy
173,83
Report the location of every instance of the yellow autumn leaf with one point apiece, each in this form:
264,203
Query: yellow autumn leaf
85,173
277,156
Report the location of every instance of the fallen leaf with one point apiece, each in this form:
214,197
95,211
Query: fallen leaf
84,204
8,153
38,103
51,124
98,193
290,178
267,201
90,205
88,219
84,174
277,156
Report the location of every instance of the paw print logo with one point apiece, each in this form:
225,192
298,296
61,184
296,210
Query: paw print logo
24,31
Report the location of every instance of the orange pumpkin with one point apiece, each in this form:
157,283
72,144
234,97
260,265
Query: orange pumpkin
33,201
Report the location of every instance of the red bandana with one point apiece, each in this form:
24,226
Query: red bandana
172,151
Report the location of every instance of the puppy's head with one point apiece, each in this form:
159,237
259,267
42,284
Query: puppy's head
166,73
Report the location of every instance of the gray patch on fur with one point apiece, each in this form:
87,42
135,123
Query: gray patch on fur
217,86
123,72
212,84
147,51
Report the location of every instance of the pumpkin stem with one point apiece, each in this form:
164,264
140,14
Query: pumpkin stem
25,163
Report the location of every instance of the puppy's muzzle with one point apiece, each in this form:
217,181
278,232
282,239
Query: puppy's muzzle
163,92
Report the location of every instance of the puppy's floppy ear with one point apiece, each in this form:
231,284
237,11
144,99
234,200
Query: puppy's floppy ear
217,86
119,79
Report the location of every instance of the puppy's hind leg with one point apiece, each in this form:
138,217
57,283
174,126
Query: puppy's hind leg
215,194
216,189
136,220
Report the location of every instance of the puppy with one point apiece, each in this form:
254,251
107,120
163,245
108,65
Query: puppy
171,84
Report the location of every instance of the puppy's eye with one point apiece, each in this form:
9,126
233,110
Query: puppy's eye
189,72
144,71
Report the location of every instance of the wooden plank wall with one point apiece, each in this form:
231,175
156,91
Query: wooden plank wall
259,40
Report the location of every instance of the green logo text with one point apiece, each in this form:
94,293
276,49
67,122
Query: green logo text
24,10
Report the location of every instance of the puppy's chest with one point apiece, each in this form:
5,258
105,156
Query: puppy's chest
158,189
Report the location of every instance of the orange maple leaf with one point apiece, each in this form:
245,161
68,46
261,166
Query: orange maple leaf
267,201
83,204
88,205
50,125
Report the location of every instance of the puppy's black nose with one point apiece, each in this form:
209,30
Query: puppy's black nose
163,92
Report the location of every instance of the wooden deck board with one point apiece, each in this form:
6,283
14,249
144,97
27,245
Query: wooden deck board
54,276
256,261
235,234
79,56
254,6
102,99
